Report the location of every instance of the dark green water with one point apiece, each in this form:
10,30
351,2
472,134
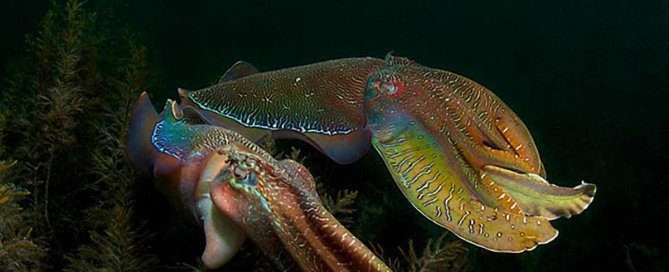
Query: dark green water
590,80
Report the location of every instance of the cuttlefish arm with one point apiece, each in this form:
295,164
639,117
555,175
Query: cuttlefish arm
278,199
464,159
320,103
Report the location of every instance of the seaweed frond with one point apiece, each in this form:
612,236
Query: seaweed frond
45,133
341,205
117,240
117,248
18,249
439,254
294,154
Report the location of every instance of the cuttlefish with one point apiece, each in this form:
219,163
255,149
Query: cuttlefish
456,151
237,190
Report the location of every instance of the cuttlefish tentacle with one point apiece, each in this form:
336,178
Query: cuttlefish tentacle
320,103
536,196
285,192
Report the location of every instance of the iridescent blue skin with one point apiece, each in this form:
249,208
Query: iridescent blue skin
174,138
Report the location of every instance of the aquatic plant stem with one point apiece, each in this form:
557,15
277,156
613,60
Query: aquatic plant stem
46,189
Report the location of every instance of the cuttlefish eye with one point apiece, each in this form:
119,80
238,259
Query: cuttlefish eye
250,179
243,170
385,85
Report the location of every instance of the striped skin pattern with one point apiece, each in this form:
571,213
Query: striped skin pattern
320,103
323,98
274,203
279,198
464,159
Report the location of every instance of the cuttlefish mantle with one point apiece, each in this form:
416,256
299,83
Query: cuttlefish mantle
458,153
319,103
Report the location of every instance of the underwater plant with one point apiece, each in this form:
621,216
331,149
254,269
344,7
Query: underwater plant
45,94
440,254
117,239
19,250
69,106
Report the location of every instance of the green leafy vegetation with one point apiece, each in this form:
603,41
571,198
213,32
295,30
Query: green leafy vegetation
440,254
69,107
19,251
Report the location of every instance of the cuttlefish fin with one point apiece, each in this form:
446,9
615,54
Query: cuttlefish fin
343,149
438,182
238,70
535,196
212,118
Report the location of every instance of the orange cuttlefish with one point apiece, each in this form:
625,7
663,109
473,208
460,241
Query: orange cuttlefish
455,150
237,190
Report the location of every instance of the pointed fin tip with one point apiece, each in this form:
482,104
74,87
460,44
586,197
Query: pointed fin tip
238,70
183,93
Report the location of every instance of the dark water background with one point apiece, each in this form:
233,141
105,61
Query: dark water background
588,78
